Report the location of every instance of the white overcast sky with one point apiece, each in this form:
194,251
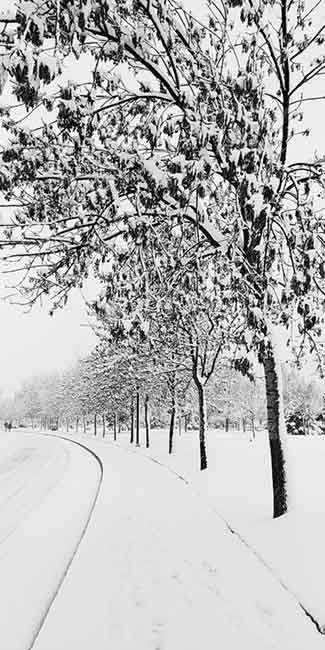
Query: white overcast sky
33,343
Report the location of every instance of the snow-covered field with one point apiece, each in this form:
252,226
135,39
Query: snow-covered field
158,568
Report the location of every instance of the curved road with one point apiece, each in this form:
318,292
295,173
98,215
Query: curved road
48,488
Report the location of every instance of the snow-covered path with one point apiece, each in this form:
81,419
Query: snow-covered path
158,570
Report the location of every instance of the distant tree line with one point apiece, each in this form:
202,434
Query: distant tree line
106,394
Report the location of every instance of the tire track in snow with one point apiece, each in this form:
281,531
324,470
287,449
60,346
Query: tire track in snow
82,535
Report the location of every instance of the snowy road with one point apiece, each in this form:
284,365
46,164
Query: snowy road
157,570
48,488
27,473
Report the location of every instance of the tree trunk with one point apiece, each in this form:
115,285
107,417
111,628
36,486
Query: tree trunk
253,428
179,425
84,423
244,425
137,432
277,431
77,425
172,413
67,423
115,426
171,428
147,420
202,424
95,424
103,420
132,423
186,423
227,425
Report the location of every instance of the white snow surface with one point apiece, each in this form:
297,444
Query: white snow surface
157,567
47,490
159,570
238,484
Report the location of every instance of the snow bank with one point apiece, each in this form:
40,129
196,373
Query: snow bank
45,507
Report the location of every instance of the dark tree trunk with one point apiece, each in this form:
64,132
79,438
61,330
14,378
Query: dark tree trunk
186,423
115,426
253,428
244,425
67,423
147,420
77,424
103,420
276,430
95,424
172,413
137,432
132,423
227,425
202,424
171,427
179,425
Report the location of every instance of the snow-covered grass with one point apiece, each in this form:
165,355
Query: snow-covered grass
238,485
44,508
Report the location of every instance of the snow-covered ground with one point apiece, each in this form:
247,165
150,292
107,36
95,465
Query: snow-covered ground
158,568
238,485
174,577
47,491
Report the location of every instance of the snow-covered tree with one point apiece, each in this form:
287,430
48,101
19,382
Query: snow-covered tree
303,400
180,121
27,401
148,363
175,306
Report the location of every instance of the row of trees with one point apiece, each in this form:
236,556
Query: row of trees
167,168
106,392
